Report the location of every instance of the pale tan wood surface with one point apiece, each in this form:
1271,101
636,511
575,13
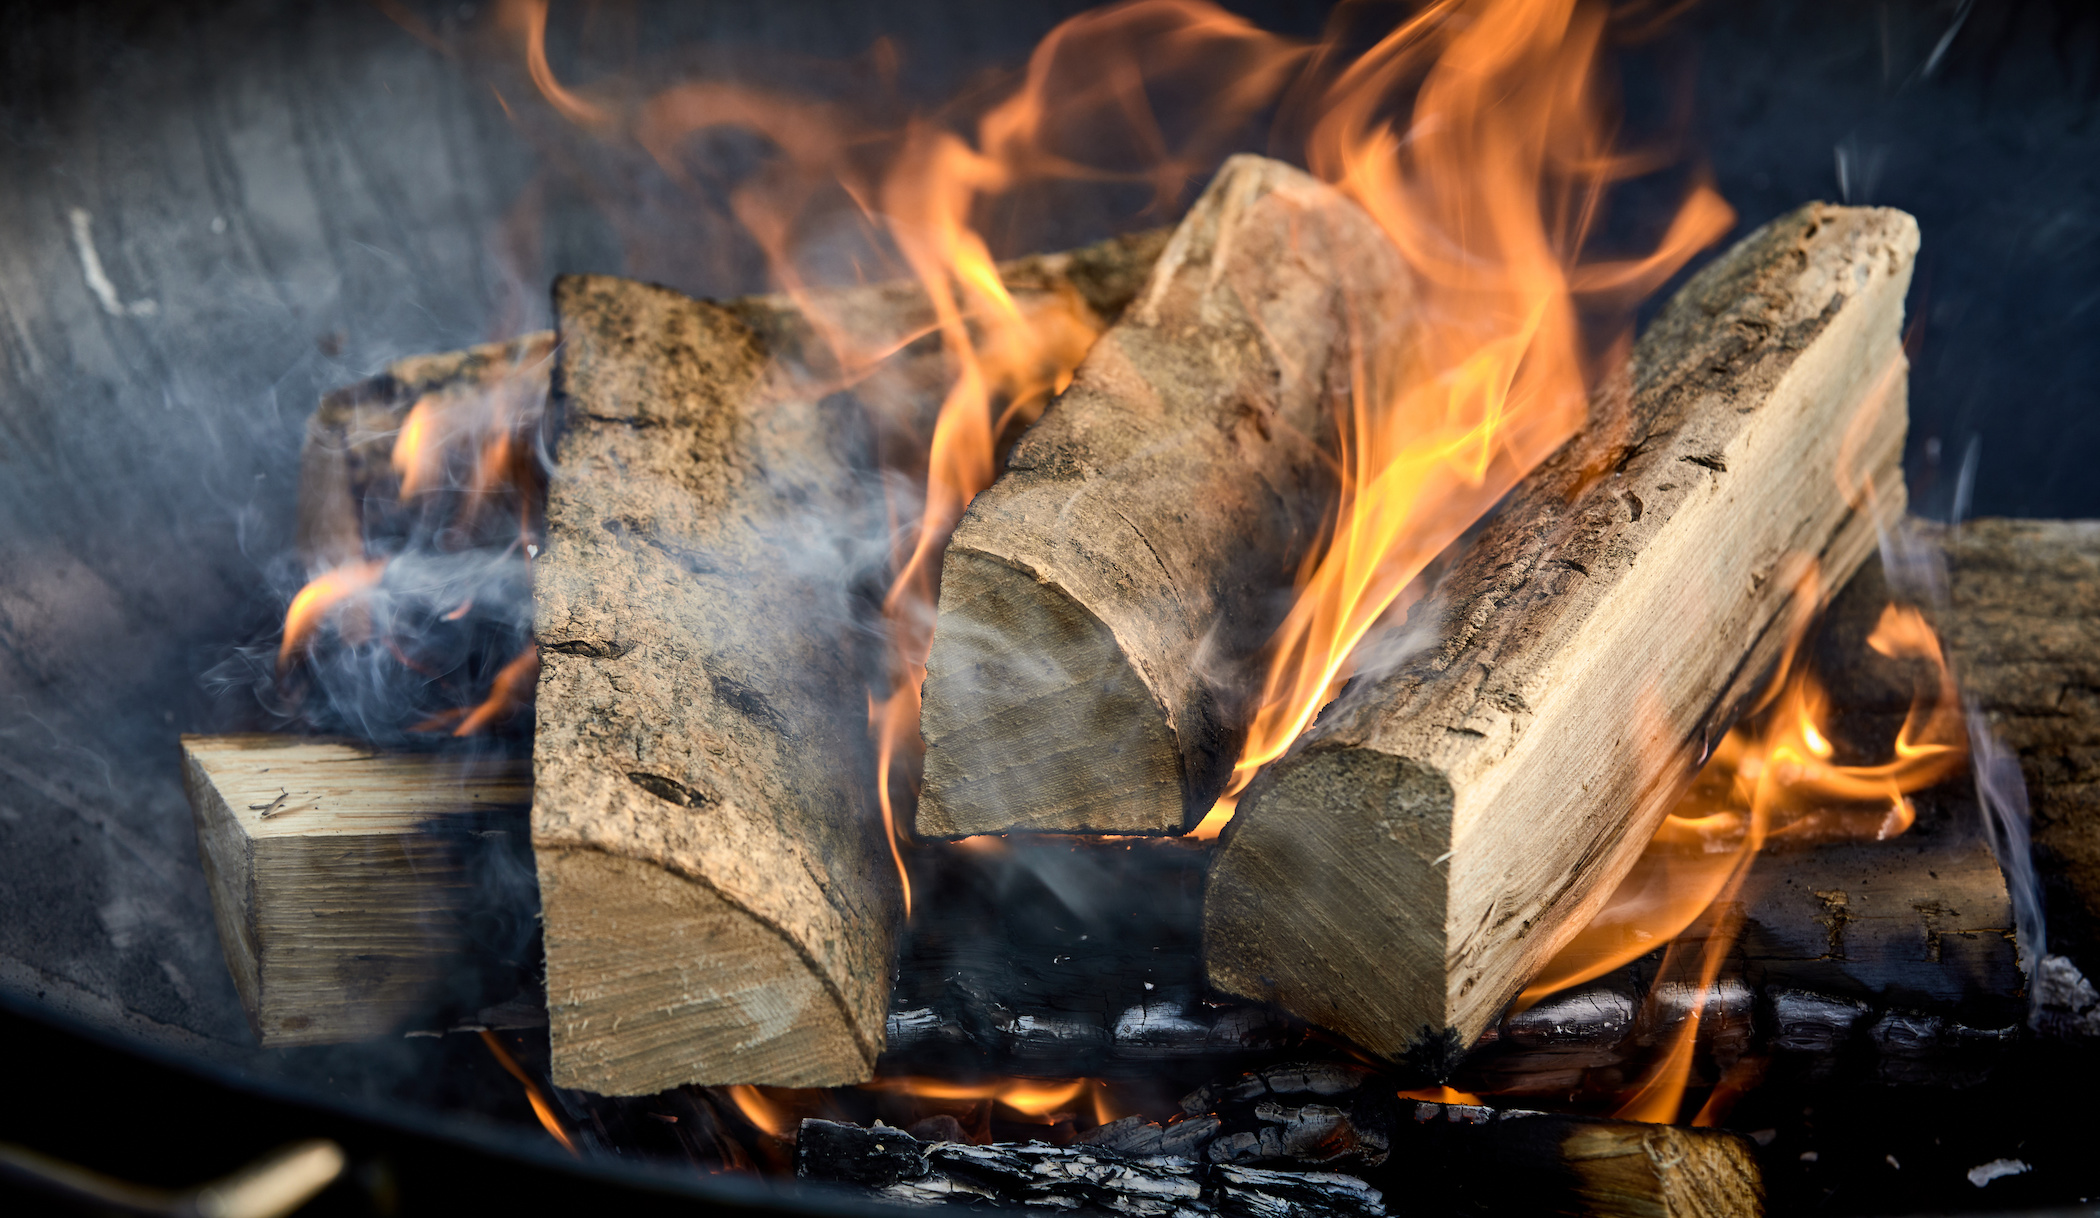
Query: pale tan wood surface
340,877
1105,598
1444,827
719,899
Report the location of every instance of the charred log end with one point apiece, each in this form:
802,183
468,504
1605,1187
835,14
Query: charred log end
1378,864
655,981
1032,710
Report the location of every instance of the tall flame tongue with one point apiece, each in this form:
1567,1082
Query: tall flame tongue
1488,191
1769,781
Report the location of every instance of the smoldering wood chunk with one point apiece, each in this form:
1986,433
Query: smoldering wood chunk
1250,1192
897,1167
1446,826
1134,1135
356,891
848,1154
2023,631
1310,1133
349,489
719,902
1103,603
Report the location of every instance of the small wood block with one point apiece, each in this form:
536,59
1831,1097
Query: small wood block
343,880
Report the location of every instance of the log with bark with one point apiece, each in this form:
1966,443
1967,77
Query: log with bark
2022,628
719,899
356,891
1102,602
1447,825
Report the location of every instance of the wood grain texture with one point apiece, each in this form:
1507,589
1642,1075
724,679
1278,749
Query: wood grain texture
702,746
1446,826
1102,602
701,713
340,878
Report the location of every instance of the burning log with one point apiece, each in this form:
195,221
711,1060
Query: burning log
348,885
1446,826
1141,540
720,900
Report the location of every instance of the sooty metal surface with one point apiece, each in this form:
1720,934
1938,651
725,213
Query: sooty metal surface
210,214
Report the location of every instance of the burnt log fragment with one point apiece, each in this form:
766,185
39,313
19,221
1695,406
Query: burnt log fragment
897,1167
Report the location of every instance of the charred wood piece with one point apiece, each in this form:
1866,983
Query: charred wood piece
1447,826
898,1167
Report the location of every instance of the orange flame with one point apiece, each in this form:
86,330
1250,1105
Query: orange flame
321,596
1771,781
1032,1097
1440,1095
1488,192
511,691
772,1116
533,1095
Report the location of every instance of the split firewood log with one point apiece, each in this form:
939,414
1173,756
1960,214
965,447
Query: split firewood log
1447,825
720,901
1102,600
354,891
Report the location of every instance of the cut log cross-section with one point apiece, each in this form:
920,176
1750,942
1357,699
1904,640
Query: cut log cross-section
1446,826
1102,602
719,899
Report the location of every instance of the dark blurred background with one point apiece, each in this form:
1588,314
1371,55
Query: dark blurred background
281,197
